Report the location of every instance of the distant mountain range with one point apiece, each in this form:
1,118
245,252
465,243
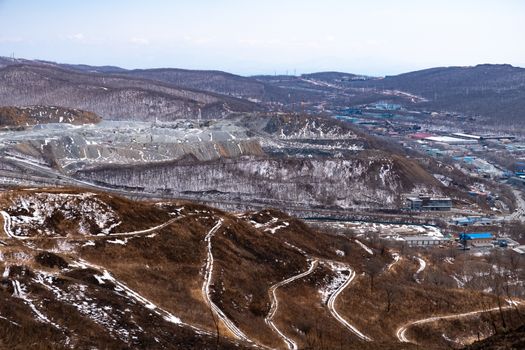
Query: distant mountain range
113,96
494,92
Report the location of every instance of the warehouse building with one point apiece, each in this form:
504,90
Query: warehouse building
476,239
429,203
424,241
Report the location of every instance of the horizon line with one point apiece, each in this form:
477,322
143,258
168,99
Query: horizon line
281,74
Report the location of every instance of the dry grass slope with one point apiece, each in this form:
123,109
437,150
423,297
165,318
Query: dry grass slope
139,285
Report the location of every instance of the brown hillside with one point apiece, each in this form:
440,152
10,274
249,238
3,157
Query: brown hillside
177,275
34,115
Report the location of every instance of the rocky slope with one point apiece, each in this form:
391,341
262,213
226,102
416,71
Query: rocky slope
67,148
34,115
261,159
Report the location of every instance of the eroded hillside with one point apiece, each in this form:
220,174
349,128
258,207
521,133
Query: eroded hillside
34,115
365,181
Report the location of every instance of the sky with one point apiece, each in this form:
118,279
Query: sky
249,37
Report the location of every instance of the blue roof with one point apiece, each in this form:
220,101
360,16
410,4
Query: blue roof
477,235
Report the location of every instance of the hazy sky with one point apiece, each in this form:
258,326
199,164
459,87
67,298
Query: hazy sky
375,37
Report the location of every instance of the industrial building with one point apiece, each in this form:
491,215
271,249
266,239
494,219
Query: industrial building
451,140
424,241
472,220
466,136
426,202
476,239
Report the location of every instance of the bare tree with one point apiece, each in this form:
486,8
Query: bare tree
391,292
372,268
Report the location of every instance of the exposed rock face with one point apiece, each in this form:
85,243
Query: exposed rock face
291,127
75,152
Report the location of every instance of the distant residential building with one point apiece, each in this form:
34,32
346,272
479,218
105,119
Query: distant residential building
426,202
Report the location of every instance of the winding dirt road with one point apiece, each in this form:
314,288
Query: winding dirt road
275,303
7,226
336,315
206,288
396,258
401,331
422,267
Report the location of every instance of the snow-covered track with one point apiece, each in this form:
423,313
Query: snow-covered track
331,307
292,345
7,226
365,247
396,258
422,267
401,331
208,274
146,231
